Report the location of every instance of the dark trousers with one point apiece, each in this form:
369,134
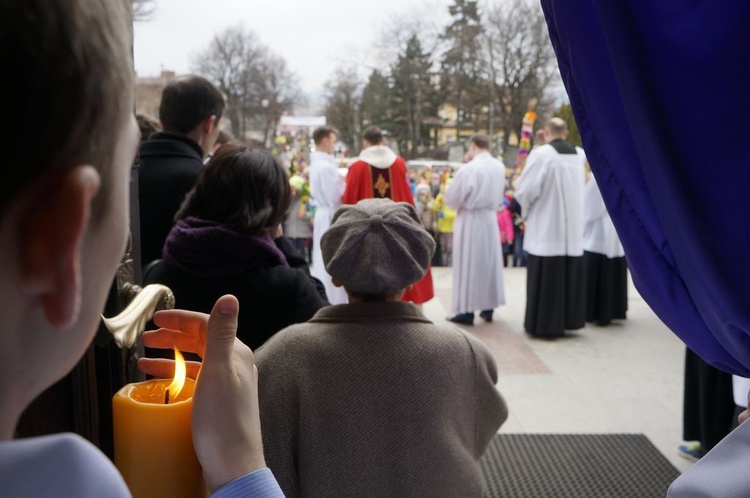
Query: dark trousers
519,255
606,288
506,250
555,295
708,408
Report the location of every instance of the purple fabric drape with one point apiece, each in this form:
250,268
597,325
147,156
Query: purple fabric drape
660,94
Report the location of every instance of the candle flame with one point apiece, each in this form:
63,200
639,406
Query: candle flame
180,372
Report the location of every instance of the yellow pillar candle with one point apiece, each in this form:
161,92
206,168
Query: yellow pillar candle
153,440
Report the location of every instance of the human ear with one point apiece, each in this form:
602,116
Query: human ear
208,124
52,229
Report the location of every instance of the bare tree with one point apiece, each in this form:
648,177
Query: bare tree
258,85
278,92
343,101
424,21
521,61
229,61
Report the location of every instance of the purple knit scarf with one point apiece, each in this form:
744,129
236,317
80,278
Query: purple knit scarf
209,249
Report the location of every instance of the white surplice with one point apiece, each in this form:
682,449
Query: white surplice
599,234
326,188
550,192
475,194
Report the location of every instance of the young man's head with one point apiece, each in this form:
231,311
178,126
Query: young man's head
192,106
325,139
376,249
372,136
477,145
555,128
64,198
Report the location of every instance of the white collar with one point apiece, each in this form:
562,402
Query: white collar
378,156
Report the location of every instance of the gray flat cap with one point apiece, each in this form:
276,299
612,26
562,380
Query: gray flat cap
377,247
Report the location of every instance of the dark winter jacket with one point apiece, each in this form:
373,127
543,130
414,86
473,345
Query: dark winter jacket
271,294
169,167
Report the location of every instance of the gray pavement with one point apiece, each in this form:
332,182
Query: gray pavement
624,378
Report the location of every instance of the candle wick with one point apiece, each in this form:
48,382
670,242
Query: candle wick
166,397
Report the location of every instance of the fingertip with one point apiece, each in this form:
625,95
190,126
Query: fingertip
228,305
160,316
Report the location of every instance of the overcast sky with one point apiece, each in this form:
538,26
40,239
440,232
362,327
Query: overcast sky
313,36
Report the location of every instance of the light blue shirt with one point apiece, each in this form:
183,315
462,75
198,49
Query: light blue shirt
261,484
66,465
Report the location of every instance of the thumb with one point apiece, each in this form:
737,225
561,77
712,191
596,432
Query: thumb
222,330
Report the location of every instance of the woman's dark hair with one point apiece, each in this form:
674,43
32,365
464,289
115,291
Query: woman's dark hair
242,188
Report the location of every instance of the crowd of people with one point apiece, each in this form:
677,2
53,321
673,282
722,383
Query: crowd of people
328,269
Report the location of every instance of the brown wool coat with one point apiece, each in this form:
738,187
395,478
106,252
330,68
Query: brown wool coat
372,399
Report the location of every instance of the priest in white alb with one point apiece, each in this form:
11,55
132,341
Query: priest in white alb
606,268
475,194
326,187
550,192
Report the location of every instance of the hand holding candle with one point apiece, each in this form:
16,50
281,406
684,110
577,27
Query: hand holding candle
226,420
152,437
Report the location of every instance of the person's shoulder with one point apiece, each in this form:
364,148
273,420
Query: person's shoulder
497,161
283,345
277,279
58,465
490,161
445,334
542,154
180,161
358,165
462,339
542,150
464,348
170,145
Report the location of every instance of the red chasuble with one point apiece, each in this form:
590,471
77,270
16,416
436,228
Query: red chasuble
364,181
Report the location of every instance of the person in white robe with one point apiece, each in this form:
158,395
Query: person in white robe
550,193
475,194
326,188
606,268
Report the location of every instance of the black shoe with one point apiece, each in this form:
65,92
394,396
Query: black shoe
486,315
462,318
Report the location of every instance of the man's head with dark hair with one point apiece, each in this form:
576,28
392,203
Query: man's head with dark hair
192,106
481,141
373,136
323,132
325,139
242,188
